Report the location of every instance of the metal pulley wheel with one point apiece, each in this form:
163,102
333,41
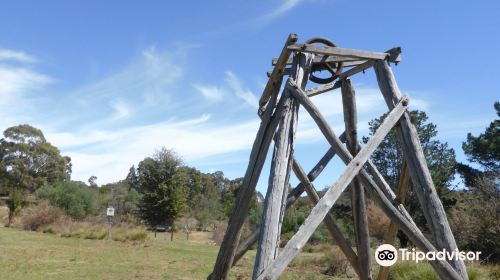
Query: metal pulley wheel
335,68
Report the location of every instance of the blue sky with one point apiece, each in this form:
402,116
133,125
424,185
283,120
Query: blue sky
111,81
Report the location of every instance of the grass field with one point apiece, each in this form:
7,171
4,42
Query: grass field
34,255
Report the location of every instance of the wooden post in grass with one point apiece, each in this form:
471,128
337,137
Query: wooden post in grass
390,236
421,177
358,202
281,166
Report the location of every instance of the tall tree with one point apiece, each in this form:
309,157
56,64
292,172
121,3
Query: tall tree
388,158
162,195
27,162
478,215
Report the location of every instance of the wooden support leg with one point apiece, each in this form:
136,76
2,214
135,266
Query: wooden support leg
321,209
379,191
390,236
358,194
420,175
260,148
275,202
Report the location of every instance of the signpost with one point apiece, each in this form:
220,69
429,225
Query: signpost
110,212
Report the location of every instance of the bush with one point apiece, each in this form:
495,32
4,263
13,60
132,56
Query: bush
76,199
41,215
337,263
218,234
378,223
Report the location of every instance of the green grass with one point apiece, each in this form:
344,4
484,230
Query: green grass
33,255
36,255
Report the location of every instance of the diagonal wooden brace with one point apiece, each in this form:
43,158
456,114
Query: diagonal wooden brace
381,192
321,209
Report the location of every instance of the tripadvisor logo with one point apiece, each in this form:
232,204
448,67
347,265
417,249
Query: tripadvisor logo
387,255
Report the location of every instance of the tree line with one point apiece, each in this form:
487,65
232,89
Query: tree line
161,191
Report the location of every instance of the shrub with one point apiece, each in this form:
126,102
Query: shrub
337,263
378,223
128,234
76,199
43,214
218,233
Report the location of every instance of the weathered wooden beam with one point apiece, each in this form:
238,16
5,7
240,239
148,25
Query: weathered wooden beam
390,236
296,192
336,84
420,175
281,166
382,194
351,72
323,58
347,64
272,83
321,209
258,154
358,54
360,218
340,240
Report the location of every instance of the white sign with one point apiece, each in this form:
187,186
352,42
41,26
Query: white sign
110,212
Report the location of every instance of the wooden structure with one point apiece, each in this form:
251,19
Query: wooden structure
279,114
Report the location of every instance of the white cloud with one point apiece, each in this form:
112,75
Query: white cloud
18,83
16,56
112,152
17,79
121,110
211,93
284,7
235,85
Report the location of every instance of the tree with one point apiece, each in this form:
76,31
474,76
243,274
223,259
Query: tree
388,158
28,161
477,219
75,198
162,194
92,180
14,202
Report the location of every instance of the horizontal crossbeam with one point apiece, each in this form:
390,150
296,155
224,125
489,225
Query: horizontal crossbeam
392,55
323,58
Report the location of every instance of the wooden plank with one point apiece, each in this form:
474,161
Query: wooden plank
272,83
319,212
323,58
395,52
286,71
258,154
362,235
420,175
390,236
334,51
340,240
337,84
281,166
296,192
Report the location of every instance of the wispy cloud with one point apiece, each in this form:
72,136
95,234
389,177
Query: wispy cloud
284,7
19,82
16,56
237,88
211,93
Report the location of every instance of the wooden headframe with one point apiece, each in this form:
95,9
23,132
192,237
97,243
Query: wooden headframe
279,116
